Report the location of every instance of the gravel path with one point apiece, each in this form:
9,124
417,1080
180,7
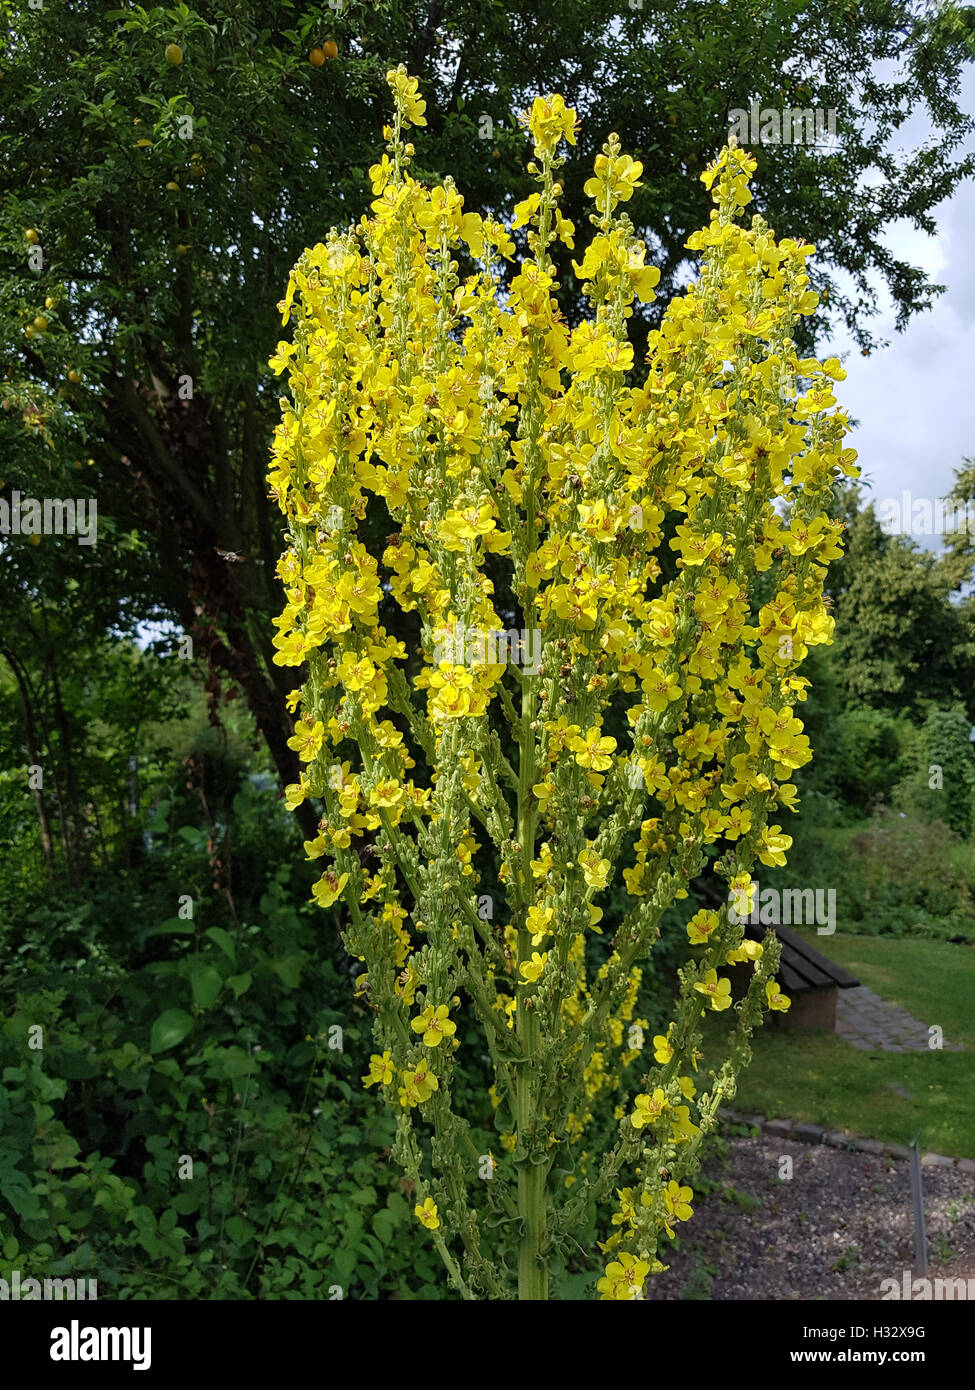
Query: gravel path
839,1226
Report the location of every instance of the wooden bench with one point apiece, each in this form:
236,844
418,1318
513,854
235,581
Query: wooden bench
808,977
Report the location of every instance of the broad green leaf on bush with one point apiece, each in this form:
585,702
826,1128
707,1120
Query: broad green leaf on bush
225,941
205,981
173,926
169,1029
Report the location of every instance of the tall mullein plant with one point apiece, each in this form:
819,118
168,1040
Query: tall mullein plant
485,426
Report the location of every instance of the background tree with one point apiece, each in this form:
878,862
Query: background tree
169,165
901,642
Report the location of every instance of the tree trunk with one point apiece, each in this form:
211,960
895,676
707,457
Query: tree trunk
30,736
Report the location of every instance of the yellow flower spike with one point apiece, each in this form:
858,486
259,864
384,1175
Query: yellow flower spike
406,95
661,528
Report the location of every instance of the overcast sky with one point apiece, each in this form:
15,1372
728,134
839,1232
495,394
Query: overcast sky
915,400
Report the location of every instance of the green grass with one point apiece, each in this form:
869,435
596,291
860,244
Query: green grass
933,980
819,1078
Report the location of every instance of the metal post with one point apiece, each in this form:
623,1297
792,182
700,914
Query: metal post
917,1200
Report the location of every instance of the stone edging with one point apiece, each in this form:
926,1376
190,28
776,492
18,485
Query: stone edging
840,1139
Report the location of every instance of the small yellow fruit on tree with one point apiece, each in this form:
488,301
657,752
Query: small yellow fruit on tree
174,54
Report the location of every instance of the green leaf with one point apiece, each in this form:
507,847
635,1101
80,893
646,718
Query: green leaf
240,984
384,1224
225,941
205,981
173,926
397,1207
344,1263
288,969
77,1066
169,1029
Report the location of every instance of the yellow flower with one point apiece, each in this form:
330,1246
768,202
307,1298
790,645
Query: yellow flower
427,1214
307,739
434,1024
717,992
623,1279
677,1201
776,999
549,120
381,1070
700,927
593,751
594,870
538,922
460,527
774,845
532,969
616,176
328,888
648,1108
418,1086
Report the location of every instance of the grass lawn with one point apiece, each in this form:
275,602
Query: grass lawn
817,1077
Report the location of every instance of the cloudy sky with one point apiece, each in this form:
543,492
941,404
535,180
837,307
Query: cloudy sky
915,400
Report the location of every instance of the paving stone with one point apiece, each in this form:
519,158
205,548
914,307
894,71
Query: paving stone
965,1165
869,1146
898,1150
872,1024
779,1127
808,1134
936,1161
836,1139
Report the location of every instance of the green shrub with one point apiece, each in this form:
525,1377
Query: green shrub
941,784
135,1040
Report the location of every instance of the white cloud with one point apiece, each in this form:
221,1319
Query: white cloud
915,400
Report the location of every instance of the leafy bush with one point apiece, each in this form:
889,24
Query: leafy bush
184,1123
872,747
941,785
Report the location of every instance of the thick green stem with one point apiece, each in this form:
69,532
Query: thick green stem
532,1175
532,1270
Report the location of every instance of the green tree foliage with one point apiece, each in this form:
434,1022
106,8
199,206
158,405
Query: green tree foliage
158,206
902,643
942,785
